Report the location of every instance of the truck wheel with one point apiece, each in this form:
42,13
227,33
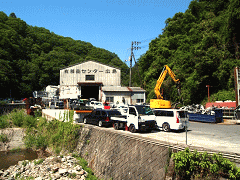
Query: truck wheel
116,126
85,120
100,123
132,128
166,127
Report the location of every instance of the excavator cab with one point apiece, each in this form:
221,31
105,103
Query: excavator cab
160,102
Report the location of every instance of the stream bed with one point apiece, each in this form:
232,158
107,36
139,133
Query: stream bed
8,159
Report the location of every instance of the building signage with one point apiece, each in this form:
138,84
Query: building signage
90,71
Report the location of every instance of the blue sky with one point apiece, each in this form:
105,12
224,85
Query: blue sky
108,24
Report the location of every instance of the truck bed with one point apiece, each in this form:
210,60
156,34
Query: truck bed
119,118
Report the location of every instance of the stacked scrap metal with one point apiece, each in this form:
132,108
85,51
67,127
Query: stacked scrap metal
199,109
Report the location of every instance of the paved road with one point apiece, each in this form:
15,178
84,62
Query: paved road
223,138
219,137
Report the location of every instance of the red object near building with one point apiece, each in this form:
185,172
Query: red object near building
220,104
107,107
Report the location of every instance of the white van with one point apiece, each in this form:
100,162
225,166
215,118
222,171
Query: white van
171,119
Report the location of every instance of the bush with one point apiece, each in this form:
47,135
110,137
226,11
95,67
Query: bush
29,121
194,165
17,117
4,122
56,134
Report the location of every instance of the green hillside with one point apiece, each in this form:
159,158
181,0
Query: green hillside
31,57
201,46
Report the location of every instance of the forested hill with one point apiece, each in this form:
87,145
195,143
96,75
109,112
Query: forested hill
201,46
31,57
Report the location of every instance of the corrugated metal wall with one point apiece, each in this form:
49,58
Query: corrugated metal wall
109,76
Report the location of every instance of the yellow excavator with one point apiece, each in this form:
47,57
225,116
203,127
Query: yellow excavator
160,102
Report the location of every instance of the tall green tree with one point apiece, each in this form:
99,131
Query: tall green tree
201,46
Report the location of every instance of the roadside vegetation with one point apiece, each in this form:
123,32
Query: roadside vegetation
195,165
41,134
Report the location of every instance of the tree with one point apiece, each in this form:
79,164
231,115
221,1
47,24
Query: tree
201,46
13,15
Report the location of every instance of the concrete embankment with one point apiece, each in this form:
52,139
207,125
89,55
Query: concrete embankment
112,154
14,139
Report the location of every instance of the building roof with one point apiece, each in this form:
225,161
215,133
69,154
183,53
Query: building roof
122,89
90,61
138,89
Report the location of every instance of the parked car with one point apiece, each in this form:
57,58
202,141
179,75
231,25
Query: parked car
57,105
100,117
75,104
171,119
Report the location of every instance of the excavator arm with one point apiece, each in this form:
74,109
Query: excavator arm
159,102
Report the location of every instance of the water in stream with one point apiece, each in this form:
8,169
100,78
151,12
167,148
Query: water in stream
8,159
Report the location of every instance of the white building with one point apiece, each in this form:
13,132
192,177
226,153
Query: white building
92,79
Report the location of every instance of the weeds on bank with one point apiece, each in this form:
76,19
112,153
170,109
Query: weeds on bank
3,138
40,161
202,165
82,162
55,134
17,118
4,122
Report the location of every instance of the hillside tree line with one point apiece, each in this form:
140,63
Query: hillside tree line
31,57
201,46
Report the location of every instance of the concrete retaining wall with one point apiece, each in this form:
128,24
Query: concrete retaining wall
59,114
112,154
14,138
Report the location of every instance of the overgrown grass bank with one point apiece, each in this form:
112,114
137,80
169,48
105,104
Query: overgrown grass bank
17,118
53,134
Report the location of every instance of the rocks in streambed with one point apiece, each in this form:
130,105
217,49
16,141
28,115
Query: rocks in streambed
50,168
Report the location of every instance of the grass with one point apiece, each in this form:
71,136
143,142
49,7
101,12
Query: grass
3,138
15,150
17,118
4,122
40,161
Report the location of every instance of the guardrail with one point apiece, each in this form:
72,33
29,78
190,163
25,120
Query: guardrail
228,114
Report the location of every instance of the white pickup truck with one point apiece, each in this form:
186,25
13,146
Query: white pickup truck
137,117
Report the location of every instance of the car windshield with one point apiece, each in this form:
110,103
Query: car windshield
144,110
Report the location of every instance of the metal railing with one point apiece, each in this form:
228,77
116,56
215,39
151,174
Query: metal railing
228,114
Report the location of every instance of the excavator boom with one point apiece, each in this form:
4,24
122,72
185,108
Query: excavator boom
159,102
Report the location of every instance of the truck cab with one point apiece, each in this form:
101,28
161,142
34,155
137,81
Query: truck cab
138,117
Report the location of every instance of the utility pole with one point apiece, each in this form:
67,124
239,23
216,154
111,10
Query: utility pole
130,58
208,93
